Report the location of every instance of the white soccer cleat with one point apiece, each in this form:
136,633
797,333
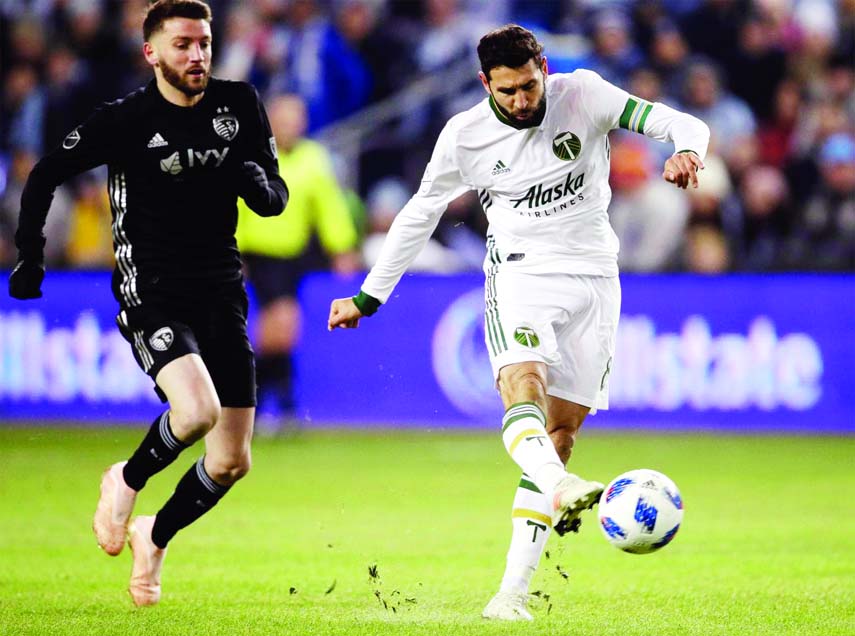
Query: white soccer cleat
148,561
572,496
114,510
508,606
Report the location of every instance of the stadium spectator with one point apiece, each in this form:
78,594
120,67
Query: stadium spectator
317,64
825,236
766,220
669,53
615,55
756,66
731,121
648,216
278,251
385,53
775,135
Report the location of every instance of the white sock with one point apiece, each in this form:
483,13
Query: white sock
526,440
532,523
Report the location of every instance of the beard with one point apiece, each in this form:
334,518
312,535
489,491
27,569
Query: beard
183,82
533,116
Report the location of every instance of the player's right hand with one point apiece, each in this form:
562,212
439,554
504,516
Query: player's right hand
25,281
344,314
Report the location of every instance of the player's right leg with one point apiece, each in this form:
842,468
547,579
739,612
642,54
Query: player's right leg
573,495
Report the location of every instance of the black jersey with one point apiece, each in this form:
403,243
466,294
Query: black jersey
174,174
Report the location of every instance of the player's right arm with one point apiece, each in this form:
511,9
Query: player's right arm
83,148
442,183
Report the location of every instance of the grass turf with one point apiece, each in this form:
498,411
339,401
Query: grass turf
766,546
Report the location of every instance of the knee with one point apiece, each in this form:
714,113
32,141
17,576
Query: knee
195,418
228,470
525,386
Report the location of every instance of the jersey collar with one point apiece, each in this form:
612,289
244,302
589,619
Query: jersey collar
501,117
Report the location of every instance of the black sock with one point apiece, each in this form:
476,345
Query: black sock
157,451
194,495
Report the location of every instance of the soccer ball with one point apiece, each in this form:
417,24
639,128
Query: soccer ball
640,511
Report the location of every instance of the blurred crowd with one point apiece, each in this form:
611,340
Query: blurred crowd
774,79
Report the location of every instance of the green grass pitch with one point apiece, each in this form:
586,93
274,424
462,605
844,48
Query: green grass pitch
767,544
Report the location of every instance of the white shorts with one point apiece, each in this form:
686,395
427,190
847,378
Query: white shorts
567,321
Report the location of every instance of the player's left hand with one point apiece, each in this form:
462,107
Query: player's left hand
343,313
682,168
25,281
254,176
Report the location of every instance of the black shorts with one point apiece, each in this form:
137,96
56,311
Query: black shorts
164,328
273,278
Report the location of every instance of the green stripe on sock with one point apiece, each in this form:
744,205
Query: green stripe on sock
528,485
515,418
530,410
627,113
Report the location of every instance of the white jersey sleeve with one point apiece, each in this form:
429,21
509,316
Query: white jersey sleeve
414,224
612,107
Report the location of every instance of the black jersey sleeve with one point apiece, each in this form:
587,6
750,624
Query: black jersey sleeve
269,200
85,147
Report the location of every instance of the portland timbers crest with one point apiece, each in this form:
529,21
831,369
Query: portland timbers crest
526,336
566,146
225,124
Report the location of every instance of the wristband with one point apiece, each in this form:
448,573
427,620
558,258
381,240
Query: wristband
367,305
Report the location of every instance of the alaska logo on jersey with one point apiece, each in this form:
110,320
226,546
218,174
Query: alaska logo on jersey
566,146
225,124
542,194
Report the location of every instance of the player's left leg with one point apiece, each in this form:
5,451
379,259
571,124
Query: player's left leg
227,459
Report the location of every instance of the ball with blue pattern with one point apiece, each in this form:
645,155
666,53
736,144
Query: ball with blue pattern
640,511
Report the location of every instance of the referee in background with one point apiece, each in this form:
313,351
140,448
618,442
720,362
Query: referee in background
179,153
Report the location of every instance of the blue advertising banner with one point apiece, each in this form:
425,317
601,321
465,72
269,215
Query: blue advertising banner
750,353
62,356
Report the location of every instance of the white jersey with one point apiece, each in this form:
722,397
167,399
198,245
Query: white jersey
545,189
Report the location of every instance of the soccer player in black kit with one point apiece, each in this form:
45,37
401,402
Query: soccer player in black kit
179,153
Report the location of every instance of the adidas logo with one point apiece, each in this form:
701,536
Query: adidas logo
157,141
500,168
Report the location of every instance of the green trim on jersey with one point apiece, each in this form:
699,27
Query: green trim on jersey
366,304
635,115
534,123
492,323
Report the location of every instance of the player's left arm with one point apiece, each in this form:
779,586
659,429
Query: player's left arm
611,107
259,182
690,137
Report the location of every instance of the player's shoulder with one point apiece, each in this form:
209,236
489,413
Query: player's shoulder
122,109
579,80
234,89
470,119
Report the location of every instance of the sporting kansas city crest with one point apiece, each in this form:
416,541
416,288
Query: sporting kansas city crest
225,124
566,146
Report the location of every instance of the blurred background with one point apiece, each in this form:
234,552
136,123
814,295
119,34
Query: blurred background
741,312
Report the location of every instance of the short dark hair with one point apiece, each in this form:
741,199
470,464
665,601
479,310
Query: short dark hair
162,10
511,45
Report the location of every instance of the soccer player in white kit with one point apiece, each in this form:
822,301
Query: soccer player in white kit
537,152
